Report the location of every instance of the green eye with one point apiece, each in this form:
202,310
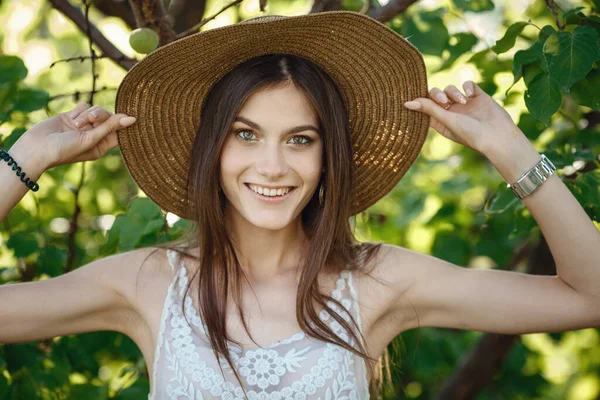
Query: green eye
306,140
243,135
247,135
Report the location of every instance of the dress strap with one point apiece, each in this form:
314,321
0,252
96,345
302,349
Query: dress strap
173,259
179,276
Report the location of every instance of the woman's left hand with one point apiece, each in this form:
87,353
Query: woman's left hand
477,122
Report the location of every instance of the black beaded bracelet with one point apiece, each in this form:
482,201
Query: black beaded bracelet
29,183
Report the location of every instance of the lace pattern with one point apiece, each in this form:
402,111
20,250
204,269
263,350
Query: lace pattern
298,367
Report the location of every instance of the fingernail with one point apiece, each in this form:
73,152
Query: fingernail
78,122
413,105
462,99
94,114
469,91
441,97
127,121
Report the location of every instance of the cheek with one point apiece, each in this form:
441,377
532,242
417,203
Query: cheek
230,165
230,159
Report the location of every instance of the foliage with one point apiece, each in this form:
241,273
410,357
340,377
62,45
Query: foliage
451,204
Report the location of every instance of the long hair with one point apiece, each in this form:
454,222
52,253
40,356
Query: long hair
332,245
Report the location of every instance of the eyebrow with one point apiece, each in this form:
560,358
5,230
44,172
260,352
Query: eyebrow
296,129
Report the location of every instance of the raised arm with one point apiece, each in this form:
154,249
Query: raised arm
95,297
13,189
445,295
58,140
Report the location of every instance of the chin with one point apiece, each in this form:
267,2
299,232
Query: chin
269,221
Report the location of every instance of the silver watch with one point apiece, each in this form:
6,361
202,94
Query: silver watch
531,180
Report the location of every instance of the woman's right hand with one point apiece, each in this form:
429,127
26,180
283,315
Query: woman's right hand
82,134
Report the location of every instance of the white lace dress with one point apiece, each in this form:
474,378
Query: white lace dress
298,367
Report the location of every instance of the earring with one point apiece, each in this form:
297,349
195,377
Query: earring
321,190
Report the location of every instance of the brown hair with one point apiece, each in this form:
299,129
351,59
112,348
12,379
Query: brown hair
331,239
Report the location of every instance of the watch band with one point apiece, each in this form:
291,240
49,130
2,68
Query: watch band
531,180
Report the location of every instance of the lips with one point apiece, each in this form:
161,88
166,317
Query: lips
271,199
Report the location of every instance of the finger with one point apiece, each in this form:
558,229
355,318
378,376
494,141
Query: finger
431,108
106,144
99,115
93,136
78,109
453,93
472,89
84,117
111,142
437,95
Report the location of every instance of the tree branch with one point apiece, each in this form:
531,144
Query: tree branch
119,9
109,50
151,14
390,10
195,28
325,5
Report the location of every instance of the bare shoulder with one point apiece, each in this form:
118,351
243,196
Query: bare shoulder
383,282
138,275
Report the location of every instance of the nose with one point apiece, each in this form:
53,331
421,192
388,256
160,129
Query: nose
271,161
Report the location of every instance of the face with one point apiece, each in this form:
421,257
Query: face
272,145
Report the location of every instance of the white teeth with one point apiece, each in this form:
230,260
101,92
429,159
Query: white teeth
270,192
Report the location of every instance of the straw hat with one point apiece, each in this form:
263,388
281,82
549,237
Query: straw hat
375,69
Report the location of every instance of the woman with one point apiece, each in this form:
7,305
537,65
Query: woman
286,303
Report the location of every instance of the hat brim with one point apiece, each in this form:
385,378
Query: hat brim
376,72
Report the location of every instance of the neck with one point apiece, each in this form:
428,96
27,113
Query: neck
266,254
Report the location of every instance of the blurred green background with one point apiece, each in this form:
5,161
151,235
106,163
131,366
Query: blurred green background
452,203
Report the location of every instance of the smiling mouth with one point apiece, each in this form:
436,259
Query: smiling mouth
271,198
279,192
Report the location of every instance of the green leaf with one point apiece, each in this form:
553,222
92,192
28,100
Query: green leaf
581,93
420,28
29,100
543,97
12,138
589,138
136,391
142,218
573,12
3,386
474,5
530,72
524,223
464,44
531,127
487,243
503,200
51,261
522,58
412,205
508,40
12,69
450,246
593,21
538,46
559,158
23,243
8,94
88,391
589,186
571,55
581,192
